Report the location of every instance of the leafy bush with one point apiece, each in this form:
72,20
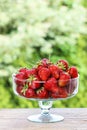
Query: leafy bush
35,29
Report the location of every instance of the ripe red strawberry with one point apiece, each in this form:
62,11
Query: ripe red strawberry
44,73
30,93
30,72
51,85
64,79
19,89
63,64
23,70
54,95
63,92
34,82
43,63
42,93
55,71
73,72
19,78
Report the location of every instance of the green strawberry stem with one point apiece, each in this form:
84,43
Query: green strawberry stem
24,88
40,90
61,66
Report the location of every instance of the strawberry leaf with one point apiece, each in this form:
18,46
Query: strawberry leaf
24,89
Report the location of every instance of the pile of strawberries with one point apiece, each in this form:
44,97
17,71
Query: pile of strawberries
46,80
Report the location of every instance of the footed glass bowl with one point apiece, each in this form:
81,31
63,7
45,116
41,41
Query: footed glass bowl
70,90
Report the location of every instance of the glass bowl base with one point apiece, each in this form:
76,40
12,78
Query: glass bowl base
46,118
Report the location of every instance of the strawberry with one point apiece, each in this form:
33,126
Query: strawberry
54,95
51,85
73,72
23,70
34,82
55,71
30,93
63,64
43,63
63,92
19,89
19,78
30,72
42,93
64,79
44,73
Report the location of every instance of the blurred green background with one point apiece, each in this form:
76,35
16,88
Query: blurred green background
33,29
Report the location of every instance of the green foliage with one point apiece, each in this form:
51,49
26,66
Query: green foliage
32,30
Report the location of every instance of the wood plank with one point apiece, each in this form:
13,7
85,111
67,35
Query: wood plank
16,119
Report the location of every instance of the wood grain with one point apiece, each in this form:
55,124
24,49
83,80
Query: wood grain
16,119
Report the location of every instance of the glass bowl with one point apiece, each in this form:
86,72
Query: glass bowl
71,89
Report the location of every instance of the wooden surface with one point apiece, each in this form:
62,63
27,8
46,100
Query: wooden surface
16,119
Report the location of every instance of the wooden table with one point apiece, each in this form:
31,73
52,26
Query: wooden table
16,119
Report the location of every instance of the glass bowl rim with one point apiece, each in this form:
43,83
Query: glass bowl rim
24,80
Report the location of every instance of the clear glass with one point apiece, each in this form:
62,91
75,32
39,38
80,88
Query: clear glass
46,104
